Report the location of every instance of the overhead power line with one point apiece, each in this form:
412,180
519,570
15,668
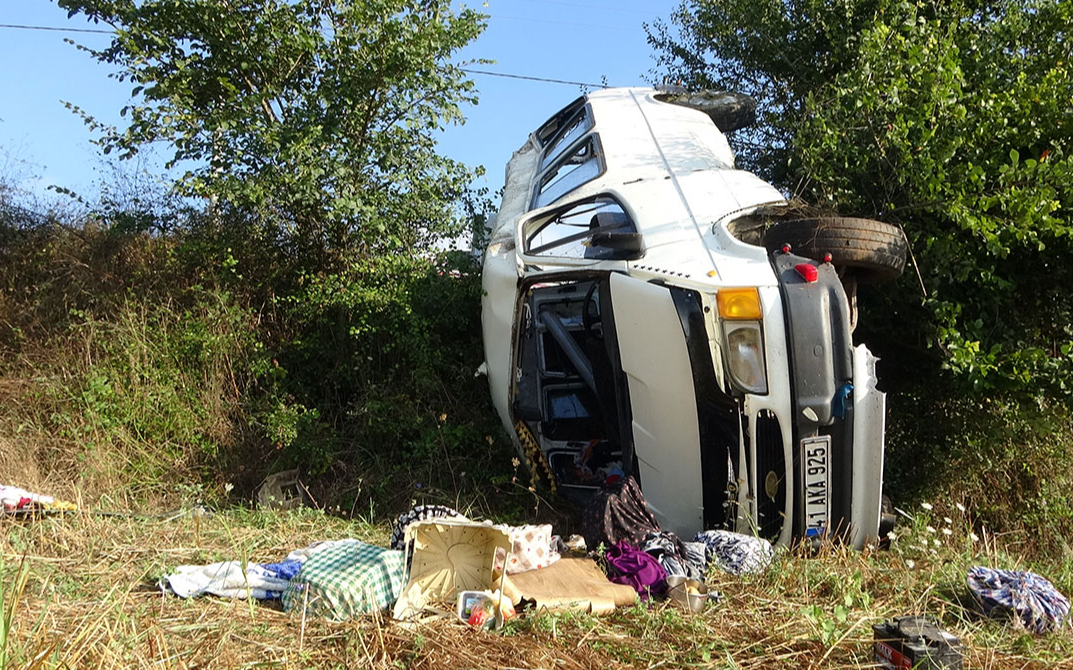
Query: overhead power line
467,70
521,76
58,30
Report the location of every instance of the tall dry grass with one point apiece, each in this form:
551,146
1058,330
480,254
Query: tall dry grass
88,598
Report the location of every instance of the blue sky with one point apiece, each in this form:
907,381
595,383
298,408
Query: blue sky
42,143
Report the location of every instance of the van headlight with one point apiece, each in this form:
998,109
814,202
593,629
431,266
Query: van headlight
740,309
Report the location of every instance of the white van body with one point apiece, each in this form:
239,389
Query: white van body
609,350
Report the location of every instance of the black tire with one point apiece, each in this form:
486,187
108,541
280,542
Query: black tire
729,111
873,249
887,520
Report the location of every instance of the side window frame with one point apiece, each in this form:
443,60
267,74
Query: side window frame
555,149
550,128
542,181
582,208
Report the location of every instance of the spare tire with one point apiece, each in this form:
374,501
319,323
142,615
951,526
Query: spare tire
873,249
729,111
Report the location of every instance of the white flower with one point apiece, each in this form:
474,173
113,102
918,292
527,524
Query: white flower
937,543
974,537
947,531
948,520
891,536
926,506
930,529
961,508
910,564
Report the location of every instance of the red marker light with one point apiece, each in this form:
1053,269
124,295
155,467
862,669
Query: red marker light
827,258
786,248
808,272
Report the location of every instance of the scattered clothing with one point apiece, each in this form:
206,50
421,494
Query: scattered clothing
1033,600
616,512
673,555
228,579
345,580
232,579
532,548
420,513
736,553
697,555
300,555
15,499
631,566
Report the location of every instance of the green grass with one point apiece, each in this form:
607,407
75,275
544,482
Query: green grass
80,591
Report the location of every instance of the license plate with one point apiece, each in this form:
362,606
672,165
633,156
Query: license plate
815,452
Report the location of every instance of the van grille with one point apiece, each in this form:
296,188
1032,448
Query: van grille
771,474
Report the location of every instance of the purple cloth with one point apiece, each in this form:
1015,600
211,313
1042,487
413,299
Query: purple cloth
639,569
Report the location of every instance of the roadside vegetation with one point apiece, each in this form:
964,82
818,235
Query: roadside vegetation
293,302
947,119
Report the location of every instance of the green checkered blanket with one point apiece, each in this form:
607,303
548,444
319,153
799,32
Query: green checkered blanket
342,581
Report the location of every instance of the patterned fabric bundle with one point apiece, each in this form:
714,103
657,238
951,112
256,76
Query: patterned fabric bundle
629,565
736,553
617,512
532,549
1038,606
347,579
420,513
232,579
675,556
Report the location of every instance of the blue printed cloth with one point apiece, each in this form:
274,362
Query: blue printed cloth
1034,601
736,553
231,579
286,569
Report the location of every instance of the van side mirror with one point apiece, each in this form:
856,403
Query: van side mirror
624,246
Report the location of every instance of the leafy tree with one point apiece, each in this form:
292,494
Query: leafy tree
317,118
307,133
950,119
776,51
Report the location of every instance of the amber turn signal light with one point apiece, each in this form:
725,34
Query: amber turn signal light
739,304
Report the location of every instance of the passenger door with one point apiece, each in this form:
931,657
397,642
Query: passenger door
666,434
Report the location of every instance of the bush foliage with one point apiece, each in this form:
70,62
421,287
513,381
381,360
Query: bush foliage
289,302
949,119
952,121
134,362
